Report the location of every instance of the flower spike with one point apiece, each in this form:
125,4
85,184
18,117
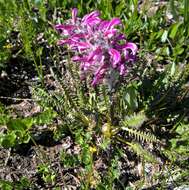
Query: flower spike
97,46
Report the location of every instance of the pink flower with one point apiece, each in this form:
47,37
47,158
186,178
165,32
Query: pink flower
98,45
116,57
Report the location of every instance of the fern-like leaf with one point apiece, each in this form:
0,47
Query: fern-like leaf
141,152
136,120
141,135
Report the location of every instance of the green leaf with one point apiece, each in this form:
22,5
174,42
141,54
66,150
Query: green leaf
45,117
86,156
130,97
140,151
186,12
4,118
26,138
182,129
173,69
8,140
174,30
5,185
25,183
164,36
140,135
16,124
178,50
135,120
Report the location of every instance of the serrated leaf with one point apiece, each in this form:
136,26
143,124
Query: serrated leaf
140,135
140,151
135,120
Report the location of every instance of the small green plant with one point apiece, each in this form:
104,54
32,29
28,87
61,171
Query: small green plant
47,174
22,184
18,130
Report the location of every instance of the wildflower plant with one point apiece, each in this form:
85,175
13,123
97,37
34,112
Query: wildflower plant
101,50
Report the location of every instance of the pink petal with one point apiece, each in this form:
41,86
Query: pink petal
66,29
82,45
78,58
70,42
129,56
115,56
86,66
92,18
96,52
110,33
121,37
132,47
93,21
98,77
90,15
74,15
113,22
78,36
103,25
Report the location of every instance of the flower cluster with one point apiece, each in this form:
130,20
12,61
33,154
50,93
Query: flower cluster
98,46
